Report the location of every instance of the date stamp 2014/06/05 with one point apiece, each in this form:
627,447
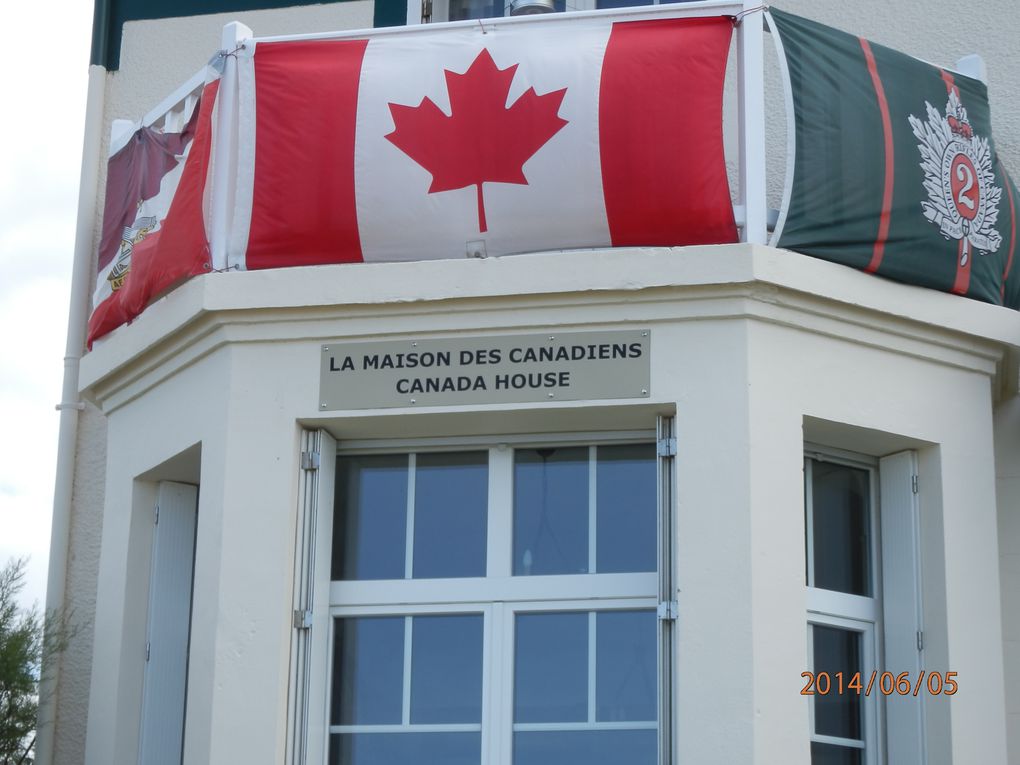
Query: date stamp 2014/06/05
884,683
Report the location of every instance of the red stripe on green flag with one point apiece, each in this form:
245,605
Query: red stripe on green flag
883,105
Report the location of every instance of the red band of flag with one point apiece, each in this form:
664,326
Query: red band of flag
890,166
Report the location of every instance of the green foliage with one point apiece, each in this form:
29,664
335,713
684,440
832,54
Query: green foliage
21,651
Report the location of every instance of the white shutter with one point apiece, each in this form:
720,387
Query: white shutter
307,700
169,624
666,449
901,603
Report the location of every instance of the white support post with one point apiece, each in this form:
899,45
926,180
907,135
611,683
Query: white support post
752,122
71,405
224,159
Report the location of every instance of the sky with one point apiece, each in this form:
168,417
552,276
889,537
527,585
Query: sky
44,76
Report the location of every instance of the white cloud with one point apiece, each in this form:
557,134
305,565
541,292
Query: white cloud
45,66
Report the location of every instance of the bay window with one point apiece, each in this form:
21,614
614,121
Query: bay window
488,601
863,594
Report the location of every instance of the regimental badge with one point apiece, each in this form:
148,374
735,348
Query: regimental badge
963,200
132,235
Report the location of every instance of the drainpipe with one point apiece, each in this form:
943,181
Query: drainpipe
70,403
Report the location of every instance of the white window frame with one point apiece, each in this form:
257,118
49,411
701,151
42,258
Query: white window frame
855,613
891,620
498,596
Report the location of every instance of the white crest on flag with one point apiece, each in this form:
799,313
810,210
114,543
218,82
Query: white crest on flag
133,234
963,200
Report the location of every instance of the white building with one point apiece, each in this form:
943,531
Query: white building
792,466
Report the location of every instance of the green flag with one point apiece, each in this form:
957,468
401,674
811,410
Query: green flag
895,171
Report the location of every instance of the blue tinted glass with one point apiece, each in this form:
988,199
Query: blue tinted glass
837,650
551,511
405,749
368,670
451,492
831,754
599,747
551,667
600,4
840,500
626,508
485,9
370,520
475,9
446,669
625,666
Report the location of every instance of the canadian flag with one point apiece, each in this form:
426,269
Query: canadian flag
480,139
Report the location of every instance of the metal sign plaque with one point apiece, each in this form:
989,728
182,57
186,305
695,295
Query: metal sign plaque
495,369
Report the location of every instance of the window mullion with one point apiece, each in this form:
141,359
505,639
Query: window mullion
499,550
504,723
870,723
405,713
491,683
592,667
412,463
592,510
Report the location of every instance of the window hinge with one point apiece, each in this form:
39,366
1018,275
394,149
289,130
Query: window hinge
668,610
666,447
302,620
155,517
913,484
309,460
148,648
920,640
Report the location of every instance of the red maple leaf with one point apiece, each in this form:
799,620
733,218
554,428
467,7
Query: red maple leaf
482,140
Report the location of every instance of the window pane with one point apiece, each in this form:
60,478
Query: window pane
837,650
830,754
625,674
841,528
597,747
475,9
446,669
551,667
451,494
486,9
551,511
405,748
370,522
368,670
626,515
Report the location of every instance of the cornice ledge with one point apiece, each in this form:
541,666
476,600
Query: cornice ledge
180,320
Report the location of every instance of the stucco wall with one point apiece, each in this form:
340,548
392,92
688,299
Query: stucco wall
84,544
1007,451
743,350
